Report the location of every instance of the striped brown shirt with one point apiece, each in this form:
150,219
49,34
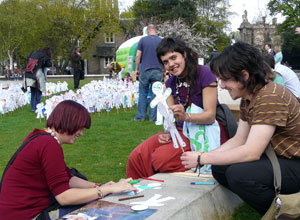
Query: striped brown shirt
276,105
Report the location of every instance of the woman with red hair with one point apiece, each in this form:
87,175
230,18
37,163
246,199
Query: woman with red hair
39,170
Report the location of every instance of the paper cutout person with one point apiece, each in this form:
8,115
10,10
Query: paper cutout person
161,102
157,89
39,110
154,201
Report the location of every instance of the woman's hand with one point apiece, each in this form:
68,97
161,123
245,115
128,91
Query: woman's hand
178,111
164,138
189,159
108,183
119,187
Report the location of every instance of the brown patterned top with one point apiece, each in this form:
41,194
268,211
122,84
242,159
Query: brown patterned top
276,105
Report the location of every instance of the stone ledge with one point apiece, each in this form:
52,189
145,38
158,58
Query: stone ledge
201,202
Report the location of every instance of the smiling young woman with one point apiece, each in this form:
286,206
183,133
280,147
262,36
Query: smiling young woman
191,83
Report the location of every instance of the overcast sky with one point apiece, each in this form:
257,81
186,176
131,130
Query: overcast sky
254,9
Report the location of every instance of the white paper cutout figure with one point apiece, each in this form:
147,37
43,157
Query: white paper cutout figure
154,201
39,110
157,89
162,107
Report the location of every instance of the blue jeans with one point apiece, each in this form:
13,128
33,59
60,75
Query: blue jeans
36,95
145,79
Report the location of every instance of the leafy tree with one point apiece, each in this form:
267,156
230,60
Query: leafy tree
17,27
188,34
290,9
27,25
208,17
213,20
161,11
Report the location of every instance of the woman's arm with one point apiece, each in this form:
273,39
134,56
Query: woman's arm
209,106
257,140
76,182
76,196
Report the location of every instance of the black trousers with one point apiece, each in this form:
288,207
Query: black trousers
76,78
253,181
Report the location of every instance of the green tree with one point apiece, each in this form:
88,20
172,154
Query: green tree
289,9
167,10
213,20
27,25
69,22
208,17
17,28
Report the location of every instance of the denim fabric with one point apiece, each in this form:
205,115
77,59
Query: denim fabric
36,95
76,78
145,79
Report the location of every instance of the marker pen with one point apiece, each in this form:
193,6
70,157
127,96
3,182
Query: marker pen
133,182
202,183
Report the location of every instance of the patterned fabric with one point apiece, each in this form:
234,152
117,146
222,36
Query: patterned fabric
276,105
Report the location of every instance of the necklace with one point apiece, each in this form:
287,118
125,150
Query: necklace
180,84
52,134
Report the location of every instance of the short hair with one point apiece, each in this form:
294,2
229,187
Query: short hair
238,57
170,44
151,27
269,45
69,117
269,59
46,50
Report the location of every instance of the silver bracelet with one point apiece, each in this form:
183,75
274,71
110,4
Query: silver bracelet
100,194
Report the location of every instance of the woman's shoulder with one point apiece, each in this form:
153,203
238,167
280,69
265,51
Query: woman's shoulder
171,81
41,135
205,75
204,70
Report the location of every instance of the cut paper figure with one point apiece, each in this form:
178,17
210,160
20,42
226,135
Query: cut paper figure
141,188
160,101
154,201
39,110
157,89
170,126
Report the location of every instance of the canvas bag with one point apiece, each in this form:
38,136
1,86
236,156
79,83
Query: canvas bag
202,137
287,205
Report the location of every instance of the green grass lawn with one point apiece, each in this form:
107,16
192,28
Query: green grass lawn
102,153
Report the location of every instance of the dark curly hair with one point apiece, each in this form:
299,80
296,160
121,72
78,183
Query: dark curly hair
170,44
238,57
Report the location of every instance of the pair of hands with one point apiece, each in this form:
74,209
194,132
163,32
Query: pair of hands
118,187
179,112
188,159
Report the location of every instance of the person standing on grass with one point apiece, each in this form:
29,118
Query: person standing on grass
77,67
35,77
149,71
39,175
269,113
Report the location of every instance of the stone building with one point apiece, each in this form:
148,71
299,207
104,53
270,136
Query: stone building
259,33
102,49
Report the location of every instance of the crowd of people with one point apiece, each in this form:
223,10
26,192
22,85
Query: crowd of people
269,115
